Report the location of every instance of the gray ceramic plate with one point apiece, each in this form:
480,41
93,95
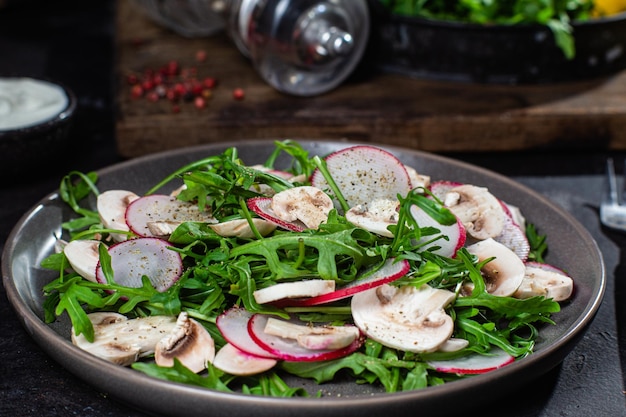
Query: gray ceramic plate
571,247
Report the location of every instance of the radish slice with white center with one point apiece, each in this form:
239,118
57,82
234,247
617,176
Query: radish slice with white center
513,236
363,174
296,289
161,210
262,207
455,234
237,362
132,259
289,349
440,188
233,324
474,363
388,272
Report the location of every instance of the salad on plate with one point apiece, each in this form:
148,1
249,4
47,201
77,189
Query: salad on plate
349,265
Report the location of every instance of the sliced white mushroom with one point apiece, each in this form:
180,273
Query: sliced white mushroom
313,337
480,211
123,341
454,344
237,362
310,205
504,274
548,283
405,318
417,180
111,206
83,256
241,228
296,289
375,216
189,342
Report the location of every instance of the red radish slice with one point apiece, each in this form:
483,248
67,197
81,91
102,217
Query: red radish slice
132,259
441,188
237,362
390,271
474,363
513,236
233,324
161,209
363,174
262,207
289,349
456,233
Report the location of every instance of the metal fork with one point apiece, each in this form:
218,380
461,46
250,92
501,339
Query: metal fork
612,207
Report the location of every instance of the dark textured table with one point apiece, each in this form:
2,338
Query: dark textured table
72,41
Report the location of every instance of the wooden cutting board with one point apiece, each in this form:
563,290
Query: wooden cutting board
434,116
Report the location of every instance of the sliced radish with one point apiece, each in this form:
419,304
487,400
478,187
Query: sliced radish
388,272
455,233
237,362
262,207
233,324
289,349
441,188
363,174
144,213
296,289
132,259
513,236
474,363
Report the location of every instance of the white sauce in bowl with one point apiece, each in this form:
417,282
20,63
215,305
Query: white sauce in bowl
26,102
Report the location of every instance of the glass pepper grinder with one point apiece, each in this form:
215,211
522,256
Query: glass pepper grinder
299,47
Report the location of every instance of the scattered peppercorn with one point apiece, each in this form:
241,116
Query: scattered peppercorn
238,94
176,83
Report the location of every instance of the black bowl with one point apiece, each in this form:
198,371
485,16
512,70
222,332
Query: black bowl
498,54
29,147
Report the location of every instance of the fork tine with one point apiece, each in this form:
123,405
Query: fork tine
614,194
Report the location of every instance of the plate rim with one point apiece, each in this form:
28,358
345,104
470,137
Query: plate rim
46,337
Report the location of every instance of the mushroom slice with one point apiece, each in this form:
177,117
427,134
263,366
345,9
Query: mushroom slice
241,228
83,256
310,205
504,274
406,318
111,206
189,342
480,211
454,344
545,280
375,216
295,289
417,180
237,362
123,341
313,337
